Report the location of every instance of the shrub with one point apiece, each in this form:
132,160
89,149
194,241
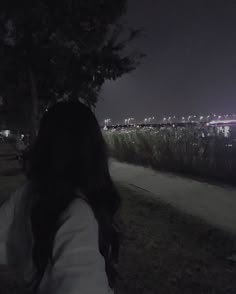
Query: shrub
192,150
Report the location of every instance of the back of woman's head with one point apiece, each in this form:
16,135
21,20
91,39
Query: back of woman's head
69,145
70,155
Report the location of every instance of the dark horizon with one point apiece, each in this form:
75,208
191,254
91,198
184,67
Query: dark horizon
190,65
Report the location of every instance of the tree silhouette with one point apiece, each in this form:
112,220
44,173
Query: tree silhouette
64,49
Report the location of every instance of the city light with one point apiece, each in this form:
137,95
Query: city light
5,133
216,119
216,122
106,123
150,119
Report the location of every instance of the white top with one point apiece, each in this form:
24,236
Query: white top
78,266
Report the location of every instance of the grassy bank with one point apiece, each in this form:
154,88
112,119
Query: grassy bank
188,151
164,251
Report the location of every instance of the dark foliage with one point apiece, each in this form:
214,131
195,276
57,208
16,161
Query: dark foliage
51,50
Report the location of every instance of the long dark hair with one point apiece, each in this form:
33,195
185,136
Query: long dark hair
70,153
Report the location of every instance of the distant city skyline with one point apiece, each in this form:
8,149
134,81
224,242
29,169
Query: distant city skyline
170,119
190,66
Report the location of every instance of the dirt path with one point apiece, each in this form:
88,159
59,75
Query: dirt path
166,252
213,203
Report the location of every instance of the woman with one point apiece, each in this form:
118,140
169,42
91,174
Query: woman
58,229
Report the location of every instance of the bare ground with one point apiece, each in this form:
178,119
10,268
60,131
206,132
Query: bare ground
166,252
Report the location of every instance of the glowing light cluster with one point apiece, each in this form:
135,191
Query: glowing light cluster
5,133
227,121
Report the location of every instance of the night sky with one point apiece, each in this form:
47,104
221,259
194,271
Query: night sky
190,66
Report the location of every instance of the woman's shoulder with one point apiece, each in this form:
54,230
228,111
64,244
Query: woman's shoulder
79,207
77,216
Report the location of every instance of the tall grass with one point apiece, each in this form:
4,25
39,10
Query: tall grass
192,151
